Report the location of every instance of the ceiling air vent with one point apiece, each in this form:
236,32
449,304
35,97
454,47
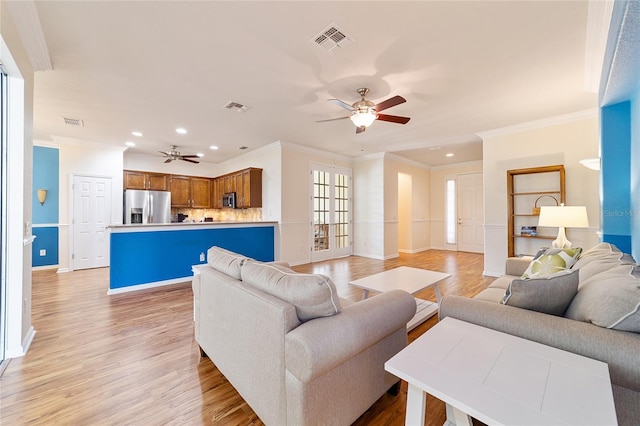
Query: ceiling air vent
237,106
331,37
75,122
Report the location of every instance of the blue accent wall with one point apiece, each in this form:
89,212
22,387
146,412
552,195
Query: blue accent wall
149,257
45,218
635,175
617,212
46,239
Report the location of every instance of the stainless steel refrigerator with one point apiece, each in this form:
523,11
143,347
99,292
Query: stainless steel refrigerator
146,206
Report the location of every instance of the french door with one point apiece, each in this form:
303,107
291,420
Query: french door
331,222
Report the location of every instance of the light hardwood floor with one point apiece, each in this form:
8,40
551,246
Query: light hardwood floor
131,359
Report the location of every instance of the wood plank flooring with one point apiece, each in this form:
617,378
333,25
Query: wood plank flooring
131,359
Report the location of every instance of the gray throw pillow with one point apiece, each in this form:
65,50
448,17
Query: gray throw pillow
313,295
610,299
225,261
550,295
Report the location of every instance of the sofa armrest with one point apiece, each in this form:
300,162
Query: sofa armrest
517,265
619,349
319,345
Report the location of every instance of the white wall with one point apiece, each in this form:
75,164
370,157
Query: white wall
90,160
562,140
368,206
19,331
438,176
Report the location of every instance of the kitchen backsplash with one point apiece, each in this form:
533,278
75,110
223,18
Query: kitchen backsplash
199,215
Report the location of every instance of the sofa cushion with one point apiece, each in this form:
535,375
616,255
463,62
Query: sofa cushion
550,295
609,299
313,295
225,261
552,261
600,258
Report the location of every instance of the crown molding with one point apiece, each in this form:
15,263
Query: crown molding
598,21
45,144
400,159
314,151
539,124
27,22
458,165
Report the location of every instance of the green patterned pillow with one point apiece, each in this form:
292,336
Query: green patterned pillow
553,260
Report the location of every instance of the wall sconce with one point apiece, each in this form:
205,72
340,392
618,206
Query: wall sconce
42,195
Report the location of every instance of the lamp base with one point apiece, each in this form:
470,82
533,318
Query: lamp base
561,241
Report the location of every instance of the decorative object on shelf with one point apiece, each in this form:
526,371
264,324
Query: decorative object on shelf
529,231
563,217
42,195
536,209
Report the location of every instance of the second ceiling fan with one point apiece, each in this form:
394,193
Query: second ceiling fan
364,112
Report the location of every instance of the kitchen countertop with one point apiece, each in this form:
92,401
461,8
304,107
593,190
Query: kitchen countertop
187,225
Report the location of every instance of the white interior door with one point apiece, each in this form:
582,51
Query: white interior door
470,213
331,224
90,217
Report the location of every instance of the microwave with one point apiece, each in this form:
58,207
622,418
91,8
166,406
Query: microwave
229,200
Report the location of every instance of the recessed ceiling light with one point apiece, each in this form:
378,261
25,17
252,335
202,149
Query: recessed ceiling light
213,147
200,154
129,143
450,155
138,134
181,130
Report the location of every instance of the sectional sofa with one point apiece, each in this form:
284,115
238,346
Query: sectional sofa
592,308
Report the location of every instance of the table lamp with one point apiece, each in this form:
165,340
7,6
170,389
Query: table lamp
563,217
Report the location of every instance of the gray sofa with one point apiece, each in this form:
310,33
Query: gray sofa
295,352
607,297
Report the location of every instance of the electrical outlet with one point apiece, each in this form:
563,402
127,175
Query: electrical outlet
43,252
201,257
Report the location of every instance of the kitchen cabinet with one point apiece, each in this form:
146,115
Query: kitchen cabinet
134,179
527,190
218,190
190,191
247,184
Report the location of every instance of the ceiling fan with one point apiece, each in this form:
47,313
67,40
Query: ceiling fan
175,155
364,112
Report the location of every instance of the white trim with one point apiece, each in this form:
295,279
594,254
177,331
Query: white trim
374,156
27,23
44,268
598,20
459,165
45,144
538,124
413,251
14,352
145,286
313,151
44,225
400,159
28,240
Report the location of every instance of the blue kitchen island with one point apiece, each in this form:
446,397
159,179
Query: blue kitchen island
151,255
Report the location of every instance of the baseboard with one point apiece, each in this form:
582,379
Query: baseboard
43,268
492,274
146,286
24,347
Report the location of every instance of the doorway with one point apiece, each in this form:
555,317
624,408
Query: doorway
91,214
331,223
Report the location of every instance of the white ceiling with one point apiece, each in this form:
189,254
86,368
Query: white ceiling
464,68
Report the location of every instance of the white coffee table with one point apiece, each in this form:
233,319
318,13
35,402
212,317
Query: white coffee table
501,379
411,280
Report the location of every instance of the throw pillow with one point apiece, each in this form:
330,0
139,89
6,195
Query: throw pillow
552,261
600,258
225,261
611,299
313,295
550,295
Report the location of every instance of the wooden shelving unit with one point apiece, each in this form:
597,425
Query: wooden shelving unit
524,188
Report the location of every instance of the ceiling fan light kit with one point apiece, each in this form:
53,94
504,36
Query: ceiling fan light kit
364,112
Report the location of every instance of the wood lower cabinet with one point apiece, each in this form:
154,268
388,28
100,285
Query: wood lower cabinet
145,180
189,191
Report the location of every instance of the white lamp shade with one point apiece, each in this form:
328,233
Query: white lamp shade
564,216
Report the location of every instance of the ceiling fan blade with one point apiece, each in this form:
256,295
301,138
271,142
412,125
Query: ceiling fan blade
163,153
341,104
360,129
189,156
393,118
191,161
331,119
168,160
396,100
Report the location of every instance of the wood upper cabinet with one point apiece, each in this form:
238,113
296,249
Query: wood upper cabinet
217,191
180,187
134,179
249,190
200,193
189,191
